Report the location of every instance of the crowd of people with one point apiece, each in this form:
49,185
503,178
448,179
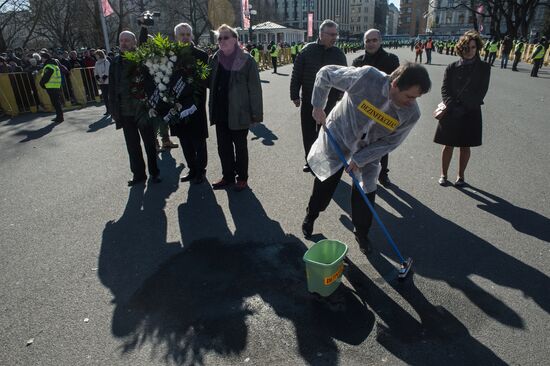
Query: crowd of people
368,108
507,46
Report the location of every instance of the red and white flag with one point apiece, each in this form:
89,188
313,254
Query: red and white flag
246,14
107,9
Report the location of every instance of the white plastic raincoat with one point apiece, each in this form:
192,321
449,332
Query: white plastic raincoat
365,123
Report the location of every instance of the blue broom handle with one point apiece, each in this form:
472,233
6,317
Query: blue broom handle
356,182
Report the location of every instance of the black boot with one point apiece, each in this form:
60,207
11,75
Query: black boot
364,242
307,225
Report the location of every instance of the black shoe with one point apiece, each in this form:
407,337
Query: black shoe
364,243
199,179
135,181
306,169
106,113
384,181
156,179
187,177
307,226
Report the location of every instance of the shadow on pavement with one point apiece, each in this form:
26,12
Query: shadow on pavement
218,294
36,134
105,121
446,252
523,220
261,131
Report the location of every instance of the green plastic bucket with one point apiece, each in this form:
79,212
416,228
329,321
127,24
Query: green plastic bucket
324,266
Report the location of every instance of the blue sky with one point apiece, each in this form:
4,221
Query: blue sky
394,2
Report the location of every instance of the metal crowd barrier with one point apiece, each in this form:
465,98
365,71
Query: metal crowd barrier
20,92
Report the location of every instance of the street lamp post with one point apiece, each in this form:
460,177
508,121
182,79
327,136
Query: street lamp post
249,14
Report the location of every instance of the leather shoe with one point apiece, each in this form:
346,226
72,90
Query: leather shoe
187,177
384,181
306,169
221,184
240,186
135,181
364,243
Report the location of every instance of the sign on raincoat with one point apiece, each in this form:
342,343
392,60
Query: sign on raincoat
366,123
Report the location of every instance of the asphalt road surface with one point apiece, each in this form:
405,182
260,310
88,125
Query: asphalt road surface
95,273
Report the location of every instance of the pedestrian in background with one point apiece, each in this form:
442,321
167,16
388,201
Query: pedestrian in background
518,52
418,49
505,51
235,103
101,73
51,81
465,84
538,56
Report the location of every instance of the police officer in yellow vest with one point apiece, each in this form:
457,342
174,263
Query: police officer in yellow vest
493,49
518,51
293,51
51,81
538,57
255,53
274,53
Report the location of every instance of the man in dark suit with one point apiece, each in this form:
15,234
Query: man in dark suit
376,56
192,131
129,113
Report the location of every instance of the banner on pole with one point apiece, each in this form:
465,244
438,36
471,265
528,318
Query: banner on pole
246,14
107,9
310,24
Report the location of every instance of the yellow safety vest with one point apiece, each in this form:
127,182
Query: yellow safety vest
539,54
519,47
493,47
293,50
275,53
55,79
256,54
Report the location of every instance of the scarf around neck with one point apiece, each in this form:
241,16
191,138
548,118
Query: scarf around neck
234,61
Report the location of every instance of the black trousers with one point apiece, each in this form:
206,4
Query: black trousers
361,216
233,152
274,63
195,153
55,98
310,128
492,57
132,136
105,95
384,164
517,58
536,66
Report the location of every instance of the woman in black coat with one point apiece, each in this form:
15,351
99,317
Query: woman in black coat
464,86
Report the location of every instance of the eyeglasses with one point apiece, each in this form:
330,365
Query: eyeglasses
331,34
225,38
373,40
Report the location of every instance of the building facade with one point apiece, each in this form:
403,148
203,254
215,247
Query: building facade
412,17
392,20
361,16
444,19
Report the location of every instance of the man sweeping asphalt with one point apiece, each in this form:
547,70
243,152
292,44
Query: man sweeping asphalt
375,116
